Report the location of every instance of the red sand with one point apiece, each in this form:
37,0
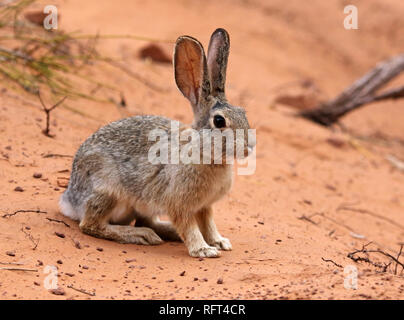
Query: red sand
299,173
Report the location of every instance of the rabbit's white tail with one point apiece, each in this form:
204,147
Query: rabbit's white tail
67,209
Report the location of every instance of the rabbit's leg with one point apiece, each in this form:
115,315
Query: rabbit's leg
209,230
164,229
188,230
95,223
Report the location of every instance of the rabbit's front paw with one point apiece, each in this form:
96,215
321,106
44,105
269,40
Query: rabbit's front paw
205,252
222,244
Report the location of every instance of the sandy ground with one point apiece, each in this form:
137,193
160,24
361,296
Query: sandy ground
343,184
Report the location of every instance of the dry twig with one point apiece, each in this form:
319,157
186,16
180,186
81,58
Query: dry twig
56,155
82,291
368,212
17,269
355,257
332,261
308,219
31,238
48,111
12,263
59,221
19,211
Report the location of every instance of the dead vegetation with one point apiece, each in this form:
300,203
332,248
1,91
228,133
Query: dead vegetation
363,255
47,112
32,57
363,91
6,215
56,62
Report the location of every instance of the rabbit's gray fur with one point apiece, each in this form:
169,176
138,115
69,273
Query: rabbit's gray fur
112,181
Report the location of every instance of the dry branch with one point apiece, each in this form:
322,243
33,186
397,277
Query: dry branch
361,92
31,238
355,257
48,111
345,207
18,269
308,219
56,155
332,261
19,211
58,221
81,290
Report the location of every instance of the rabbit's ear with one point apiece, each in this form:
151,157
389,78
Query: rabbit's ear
218,53
191,73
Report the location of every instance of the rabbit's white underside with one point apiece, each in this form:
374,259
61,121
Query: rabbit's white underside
67,209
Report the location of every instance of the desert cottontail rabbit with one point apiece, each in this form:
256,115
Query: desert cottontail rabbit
113,182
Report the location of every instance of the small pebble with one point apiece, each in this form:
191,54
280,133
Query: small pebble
37,175
19,189
60,235
59,291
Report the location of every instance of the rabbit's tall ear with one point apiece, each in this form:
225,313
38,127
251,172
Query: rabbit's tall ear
191,73
218,54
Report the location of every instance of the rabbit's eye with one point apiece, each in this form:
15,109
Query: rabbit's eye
219,121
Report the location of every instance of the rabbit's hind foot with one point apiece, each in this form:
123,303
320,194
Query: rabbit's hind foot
122,234
164,229
96,223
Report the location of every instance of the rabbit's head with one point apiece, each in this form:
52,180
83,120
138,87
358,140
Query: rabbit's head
202,81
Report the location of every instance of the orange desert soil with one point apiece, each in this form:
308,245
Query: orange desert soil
317,194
